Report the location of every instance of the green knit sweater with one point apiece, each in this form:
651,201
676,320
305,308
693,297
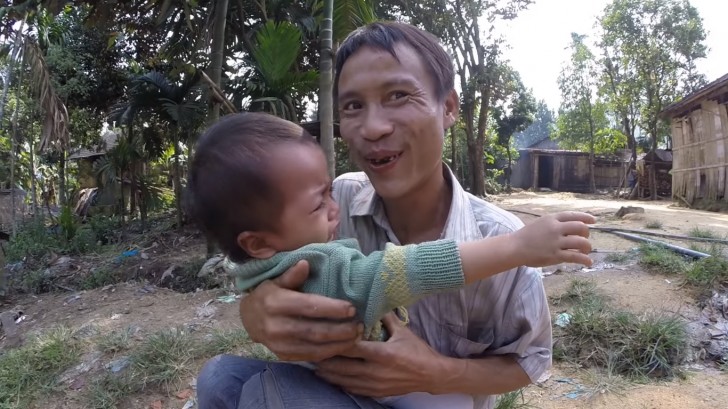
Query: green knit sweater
374,284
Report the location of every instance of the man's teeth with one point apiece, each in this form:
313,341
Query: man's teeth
383,160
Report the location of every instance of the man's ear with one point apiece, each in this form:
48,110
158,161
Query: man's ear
451,110
256,244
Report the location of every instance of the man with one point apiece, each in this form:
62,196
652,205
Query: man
394,87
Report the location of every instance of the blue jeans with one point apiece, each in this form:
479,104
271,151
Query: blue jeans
234,382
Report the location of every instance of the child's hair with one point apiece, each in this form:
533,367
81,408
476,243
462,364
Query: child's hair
229,182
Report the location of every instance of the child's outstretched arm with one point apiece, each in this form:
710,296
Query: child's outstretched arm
552,239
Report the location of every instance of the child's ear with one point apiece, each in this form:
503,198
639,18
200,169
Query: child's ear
255,244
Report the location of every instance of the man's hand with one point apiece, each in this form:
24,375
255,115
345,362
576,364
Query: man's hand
402,364
553,239
297,326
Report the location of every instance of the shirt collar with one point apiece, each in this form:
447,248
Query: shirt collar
461,223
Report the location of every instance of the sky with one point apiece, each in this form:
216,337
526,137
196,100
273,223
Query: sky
538,38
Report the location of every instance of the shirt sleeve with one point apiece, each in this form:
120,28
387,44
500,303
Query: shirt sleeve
529,320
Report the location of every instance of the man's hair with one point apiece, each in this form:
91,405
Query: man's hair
230,188
384,35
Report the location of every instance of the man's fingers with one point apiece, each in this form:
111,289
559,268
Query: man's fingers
391,322
324,332
311,352
576,216
295,276
289,302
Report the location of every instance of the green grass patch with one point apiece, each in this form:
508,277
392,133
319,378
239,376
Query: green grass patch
624,343
164,358
653,224
108,390
114,341
701,233
662,260
617,258
32,370
512,400
708,271
226,341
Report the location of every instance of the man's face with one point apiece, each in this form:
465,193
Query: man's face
392,119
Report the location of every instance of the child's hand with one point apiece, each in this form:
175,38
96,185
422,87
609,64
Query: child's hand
556,238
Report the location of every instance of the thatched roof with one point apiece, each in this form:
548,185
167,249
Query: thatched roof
660,155
716,89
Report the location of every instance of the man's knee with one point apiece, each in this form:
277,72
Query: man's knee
221,380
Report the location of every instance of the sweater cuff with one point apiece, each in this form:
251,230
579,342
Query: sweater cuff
436,266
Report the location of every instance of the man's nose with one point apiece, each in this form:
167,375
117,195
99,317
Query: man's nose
376,124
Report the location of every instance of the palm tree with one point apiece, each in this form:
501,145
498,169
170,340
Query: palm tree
272,83
183,108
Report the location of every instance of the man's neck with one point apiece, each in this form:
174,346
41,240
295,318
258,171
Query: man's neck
421,216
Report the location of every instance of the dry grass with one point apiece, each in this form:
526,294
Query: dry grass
624,343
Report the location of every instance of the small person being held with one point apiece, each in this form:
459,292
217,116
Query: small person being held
260,188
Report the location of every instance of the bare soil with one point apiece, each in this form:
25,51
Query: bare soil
148,307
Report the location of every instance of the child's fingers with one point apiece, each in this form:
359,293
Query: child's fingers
577,243
576,216
574,228
570,256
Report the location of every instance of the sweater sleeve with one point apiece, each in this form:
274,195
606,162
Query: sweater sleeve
375,284
396,276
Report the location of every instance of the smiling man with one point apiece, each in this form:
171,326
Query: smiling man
395,93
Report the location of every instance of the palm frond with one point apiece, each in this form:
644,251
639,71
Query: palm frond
278,48
350,14
55,125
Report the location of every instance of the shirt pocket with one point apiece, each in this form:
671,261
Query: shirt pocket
459,345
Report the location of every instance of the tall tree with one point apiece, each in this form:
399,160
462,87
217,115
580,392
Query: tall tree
326,97
477,54
578,84
541,128
652,45
514,114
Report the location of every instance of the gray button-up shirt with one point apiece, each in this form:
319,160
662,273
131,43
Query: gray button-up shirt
505,314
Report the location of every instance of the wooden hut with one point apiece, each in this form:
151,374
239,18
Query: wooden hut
544,166
700,143
662,160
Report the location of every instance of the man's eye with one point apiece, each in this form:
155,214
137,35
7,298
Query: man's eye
398,95
349,106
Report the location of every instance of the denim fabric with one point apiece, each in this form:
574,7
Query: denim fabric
234,382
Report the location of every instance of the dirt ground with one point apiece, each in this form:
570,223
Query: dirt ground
148,309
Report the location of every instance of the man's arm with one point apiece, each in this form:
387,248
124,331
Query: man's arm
407,364
297,326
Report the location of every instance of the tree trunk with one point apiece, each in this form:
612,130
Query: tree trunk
326,98
13,154
453,147
62,177
509,169
176,181
216,53
123,199
132,177
478,177
33,184
653,171
216,62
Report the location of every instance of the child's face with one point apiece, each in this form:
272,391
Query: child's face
309,214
